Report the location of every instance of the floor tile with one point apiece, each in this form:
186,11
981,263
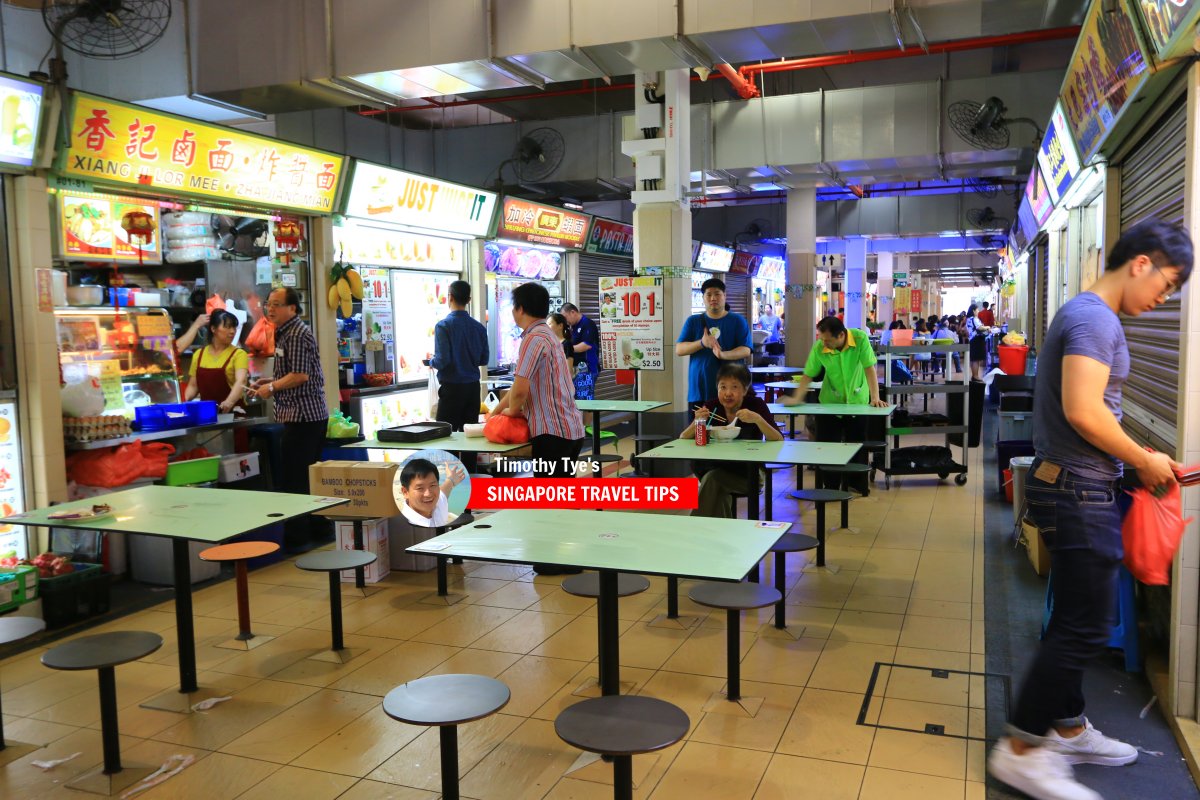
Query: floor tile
847,666
919,752
285,737
760,732
526,764
418,764
523,632
828,780
295,783
708,770
824,727
887,784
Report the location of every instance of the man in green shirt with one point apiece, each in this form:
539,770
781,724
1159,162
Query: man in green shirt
846,356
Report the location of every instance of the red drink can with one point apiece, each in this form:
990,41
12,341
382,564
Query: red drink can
701,432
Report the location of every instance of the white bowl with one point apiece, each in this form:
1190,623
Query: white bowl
724,434
473,431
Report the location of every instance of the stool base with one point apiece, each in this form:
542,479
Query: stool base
180,703
594,768
591,688
793,632
718,703
245,645
343,656
684,622
350,590
14,750
94,781
435,599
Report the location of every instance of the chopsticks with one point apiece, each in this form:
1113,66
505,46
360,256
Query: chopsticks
713,415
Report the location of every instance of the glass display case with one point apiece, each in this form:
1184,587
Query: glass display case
129,351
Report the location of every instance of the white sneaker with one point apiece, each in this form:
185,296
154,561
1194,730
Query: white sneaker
1092,747
1041,773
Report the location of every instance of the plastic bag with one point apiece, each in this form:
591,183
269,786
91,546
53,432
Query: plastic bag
506,430
489,403
1151,533
121,465
213,303
585,384
341,427
261,339
432,388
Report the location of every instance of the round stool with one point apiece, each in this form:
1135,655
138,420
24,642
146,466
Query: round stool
788,543
14,629
846,470
239,553
606,437
103,652
819,497
445,702
605,458
334,562
651,439
587,584
622,726
734,598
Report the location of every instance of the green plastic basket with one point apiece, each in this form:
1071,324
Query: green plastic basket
196,470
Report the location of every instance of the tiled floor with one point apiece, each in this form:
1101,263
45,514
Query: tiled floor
906,589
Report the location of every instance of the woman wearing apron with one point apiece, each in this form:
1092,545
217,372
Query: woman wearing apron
219,370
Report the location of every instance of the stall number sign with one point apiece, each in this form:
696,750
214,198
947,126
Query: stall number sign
631,323
115,142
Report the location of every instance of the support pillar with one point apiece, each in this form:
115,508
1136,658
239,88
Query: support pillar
885,306
854,282
803,296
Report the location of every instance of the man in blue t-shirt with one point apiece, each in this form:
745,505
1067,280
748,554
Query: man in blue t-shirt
585,340
711,338
1071,496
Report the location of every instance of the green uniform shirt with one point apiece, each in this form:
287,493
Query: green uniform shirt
845,369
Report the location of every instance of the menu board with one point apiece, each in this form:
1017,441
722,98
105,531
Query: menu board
1106,70
744,263
362,244
90,230
20,120
901,298
1057,156
610,238
12,501
523,221
392,409
377,306
418,304
1040,202
631,323
1167,23
714,258
772,268
405,198
521,262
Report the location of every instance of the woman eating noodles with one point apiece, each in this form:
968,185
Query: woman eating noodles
733,404
220,369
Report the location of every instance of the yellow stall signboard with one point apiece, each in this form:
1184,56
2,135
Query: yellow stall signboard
115,142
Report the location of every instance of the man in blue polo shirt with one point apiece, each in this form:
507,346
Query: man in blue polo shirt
460,348
711,338
585,341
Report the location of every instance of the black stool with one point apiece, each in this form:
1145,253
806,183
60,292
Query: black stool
445,702
335,562
103,652
587,584
622,726
819,497
606,458
651,439
788,543
14,629
846,470
734,598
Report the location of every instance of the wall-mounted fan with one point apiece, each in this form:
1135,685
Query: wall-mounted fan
989,244
756,231
987,219
984,125
108,29
242,237
985,187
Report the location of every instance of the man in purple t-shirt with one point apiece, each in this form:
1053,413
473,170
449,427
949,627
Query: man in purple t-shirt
1071,495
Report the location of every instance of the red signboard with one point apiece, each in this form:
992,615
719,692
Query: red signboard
916,301
744,263
523,221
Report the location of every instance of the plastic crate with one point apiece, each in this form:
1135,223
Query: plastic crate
74,596
238,467
201,412
1016,426
163,417
192,471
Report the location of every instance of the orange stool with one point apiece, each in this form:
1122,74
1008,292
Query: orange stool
239,553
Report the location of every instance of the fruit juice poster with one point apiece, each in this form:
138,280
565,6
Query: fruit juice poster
12,540
377,305
419,302
20,115
390,410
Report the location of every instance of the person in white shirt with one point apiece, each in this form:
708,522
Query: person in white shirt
425,501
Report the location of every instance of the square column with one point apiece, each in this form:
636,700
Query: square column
802,296
854,282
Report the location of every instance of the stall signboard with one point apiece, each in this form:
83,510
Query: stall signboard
114,142
90,230
1169,25
631,323
1106,70
772,268
21,109
901,298
1026,222
521,262
714,258
377,306
364,244
405,198
610,238
1057,156
744,263
523,221
12,491
1038,195
916,300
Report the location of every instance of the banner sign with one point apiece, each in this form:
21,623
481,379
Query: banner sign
1057,156
1040,202
521,262
631,323
90,230
744,263
405,198
1106,70
916,300
524,221
618,494
901,298
362,244
771,268
116,142
1169,25
714,258
610,238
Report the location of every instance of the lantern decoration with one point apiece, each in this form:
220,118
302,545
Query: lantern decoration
289,238
139,225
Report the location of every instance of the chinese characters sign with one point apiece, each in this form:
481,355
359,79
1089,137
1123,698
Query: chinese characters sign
631,323
115,142
1057,156
1106,70
1165,23
524,221
915,296
404,198
90,228
610,238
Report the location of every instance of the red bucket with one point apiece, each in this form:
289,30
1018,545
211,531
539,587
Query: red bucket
1008,486
1012,358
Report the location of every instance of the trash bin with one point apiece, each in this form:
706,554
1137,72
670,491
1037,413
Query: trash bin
1020,471
1012,358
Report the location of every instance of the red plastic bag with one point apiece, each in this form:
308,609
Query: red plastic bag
261,339
506,430
213,303
1151,532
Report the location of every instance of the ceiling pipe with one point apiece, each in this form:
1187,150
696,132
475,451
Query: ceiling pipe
745,82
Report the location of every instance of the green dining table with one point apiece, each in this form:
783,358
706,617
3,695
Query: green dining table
183,515
612,542
598,407
456,442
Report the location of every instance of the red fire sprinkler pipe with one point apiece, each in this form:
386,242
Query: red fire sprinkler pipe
745,88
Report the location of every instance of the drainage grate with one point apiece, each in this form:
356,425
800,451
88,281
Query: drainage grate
991,682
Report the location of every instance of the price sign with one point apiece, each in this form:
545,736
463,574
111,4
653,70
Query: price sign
631,323
110,384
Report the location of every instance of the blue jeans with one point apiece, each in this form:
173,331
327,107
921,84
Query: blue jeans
1081,525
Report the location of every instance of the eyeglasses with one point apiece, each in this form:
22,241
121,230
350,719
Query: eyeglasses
1172,287
277,305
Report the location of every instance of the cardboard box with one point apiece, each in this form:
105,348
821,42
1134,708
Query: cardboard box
238,467
366,484
1035,548
404,534
375,540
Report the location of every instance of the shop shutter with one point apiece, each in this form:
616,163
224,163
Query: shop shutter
737,293
1152,185
1042,251
591,269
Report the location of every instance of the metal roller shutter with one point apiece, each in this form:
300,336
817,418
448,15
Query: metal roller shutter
1042,251
737,293
591,269
1152,185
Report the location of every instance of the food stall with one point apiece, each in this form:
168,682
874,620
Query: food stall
528,245
410,235
770,278
710,260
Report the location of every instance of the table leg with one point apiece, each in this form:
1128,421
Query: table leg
733,624
183,615
243,602
781,586
791,426
606,610
108,720
449,742
335,609
820,534
360,574
752,510
623,777
443,583
672,597
596,433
